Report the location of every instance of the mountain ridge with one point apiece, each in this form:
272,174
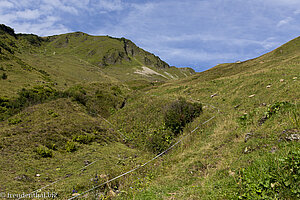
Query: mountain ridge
113,59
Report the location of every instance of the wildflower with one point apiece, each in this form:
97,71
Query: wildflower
96,178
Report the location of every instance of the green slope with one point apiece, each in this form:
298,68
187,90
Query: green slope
247,152
56,129
117,57
55,96
64,60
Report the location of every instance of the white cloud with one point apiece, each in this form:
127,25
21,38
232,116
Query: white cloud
200,31
7,18
177,30
43,12
44,27
38,17
284,21
102,6
297,12
23,4
28,14
6,4
58,5
77,3
111,5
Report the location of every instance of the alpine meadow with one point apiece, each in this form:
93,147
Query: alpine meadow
97,117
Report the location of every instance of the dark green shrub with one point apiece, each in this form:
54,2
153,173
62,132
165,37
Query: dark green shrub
14,121
31,38
52,113
44,152
116,90
51,146
4,76
70,146
159,140
6,29
179,113
4,108
4,102
273,109
27,97
43,72
104,102
37,94
245,119
7,48
77,93
84,139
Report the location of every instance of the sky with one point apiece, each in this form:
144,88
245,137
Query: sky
184,33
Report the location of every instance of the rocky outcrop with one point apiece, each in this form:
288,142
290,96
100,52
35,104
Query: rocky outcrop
143,56
112,57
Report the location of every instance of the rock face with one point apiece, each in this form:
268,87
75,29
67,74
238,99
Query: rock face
145,57
113,57
127,53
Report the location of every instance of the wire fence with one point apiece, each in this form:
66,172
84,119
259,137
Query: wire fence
130,171
149,161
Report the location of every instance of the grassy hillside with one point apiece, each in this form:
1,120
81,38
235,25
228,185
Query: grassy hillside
251,150
64,60
55,95
92,109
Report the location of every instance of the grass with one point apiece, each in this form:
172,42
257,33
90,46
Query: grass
222,148
64,60
245,152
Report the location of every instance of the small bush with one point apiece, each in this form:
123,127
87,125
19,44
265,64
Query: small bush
51,146
70,146
4,102
116,90
52,113
27,97
273,109
84,139
31,38
4,76
246,119
179,113
159,140
37,94
7,48
5,107
6,29
44,152
77,93
14,121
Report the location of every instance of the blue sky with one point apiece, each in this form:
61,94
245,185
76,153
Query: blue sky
195,33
